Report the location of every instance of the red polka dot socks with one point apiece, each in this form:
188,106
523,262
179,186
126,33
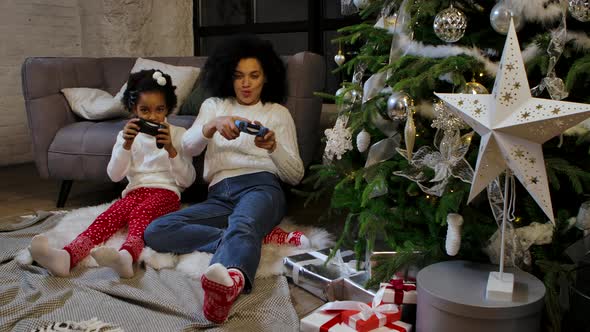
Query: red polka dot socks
222,287
281,237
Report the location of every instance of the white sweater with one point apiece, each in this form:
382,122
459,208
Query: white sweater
147,166
227,158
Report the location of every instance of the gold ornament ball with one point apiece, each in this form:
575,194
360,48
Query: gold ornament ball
390,21
474,88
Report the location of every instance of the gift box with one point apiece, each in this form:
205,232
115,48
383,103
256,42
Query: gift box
399,292
365,317
352,289
321,320
309,271
396,326
363,322
338,315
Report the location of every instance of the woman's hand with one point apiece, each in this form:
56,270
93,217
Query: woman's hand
164,138
224,125
130,130
268,142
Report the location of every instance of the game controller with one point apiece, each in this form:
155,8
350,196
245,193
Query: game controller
251,128
150,128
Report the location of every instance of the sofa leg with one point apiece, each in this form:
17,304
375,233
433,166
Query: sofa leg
64,191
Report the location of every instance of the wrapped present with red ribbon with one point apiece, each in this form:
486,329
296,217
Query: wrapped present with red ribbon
398,326
364,317
397,292
323,321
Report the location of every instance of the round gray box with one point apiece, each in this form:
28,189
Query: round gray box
451,297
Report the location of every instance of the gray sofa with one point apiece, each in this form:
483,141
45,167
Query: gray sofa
68,148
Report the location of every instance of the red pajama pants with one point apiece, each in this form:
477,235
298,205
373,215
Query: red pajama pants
137,209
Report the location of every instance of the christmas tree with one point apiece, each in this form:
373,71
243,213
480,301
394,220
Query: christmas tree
399,165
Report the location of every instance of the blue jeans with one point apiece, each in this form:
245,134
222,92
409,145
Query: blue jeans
231,223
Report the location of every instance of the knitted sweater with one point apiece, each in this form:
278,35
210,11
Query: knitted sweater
226,158
147,166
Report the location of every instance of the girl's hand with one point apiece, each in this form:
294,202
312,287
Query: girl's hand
268,142
130,130
225,126
164,138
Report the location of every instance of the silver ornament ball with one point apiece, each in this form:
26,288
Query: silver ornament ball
500,18
579,9
398,104
450,24
352,96
473,88
349,97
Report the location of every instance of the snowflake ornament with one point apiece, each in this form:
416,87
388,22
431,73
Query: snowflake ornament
339,139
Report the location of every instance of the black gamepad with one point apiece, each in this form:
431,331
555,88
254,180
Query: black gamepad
150,128
251,128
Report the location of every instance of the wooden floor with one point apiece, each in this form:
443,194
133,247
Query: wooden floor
23,192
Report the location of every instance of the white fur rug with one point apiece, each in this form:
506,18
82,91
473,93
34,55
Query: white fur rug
194,264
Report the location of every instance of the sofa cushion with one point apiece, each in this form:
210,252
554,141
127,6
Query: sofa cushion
87,137
183,78
192,104
94,104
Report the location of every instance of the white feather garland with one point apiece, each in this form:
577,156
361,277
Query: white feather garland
580,40
411,47
543,11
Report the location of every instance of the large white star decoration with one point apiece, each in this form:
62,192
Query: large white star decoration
513,126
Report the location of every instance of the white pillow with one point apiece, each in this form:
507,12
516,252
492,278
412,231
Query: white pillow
94,104
183,78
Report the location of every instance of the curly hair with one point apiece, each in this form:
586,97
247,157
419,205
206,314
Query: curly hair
218,72
143,81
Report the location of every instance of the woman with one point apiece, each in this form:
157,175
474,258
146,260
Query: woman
245,202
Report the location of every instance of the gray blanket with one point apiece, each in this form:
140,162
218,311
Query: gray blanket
153,300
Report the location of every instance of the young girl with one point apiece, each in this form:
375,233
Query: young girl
156,177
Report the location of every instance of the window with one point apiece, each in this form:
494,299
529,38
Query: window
291,25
